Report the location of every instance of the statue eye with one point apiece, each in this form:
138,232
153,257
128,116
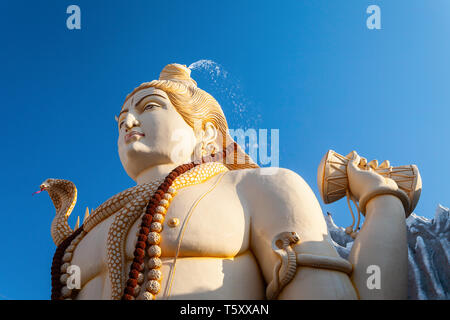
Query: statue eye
149,106
121,124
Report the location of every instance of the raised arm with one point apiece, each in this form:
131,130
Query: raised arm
380,248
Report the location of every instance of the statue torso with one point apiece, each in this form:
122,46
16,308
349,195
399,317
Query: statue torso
213,235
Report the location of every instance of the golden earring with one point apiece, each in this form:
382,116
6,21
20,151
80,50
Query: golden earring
211,149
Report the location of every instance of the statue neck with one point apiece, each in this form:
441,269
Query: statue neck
155,173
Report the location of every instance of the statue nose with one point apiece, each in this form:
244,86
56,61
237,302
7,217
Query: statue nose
131,122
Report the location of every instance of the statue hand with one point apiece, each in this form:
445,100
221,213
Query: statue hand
363,180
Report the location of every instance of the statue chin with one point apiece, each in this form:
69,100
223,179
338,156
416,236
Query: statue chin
139,158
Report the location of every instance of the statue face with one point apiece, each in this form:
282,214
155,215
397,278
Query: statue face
152,132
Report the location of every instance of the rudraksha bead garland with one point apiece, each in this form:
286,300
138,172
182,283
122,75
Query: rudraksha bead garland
149,239
59,268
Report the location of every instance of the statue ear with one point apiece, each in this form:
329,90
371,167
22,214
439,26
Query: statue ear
209,133
206,140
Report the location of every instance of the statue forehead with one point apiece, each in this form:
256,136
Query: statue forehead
137,96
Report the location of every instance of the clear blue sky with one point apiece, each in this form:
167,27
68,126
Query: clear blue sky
309,68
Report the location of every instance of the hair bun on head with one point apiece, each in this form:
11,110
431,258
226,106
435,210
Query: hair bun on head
177,72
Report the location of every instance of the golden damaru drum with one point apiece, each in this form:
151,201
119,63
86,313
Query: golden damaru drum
333,182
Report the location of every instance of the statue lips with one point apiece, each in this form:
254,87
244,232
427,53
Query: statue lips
133,135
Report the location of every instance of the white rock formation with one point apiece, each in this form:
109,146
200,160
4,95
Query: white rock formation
428,253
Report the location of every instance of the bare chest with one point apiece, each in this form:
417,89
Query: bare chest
206,220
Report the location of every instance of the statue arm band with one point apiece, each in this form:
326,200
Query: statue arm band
383,191
323,262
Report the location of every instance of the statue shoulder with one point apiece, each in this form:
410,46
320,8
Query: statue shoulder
286,185
279,201
273,179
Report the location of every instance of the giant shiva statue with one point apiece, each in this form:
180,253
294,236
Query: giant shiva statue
205,222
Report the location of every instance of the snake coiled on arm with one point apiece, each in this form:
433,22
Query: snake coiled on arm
286,267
